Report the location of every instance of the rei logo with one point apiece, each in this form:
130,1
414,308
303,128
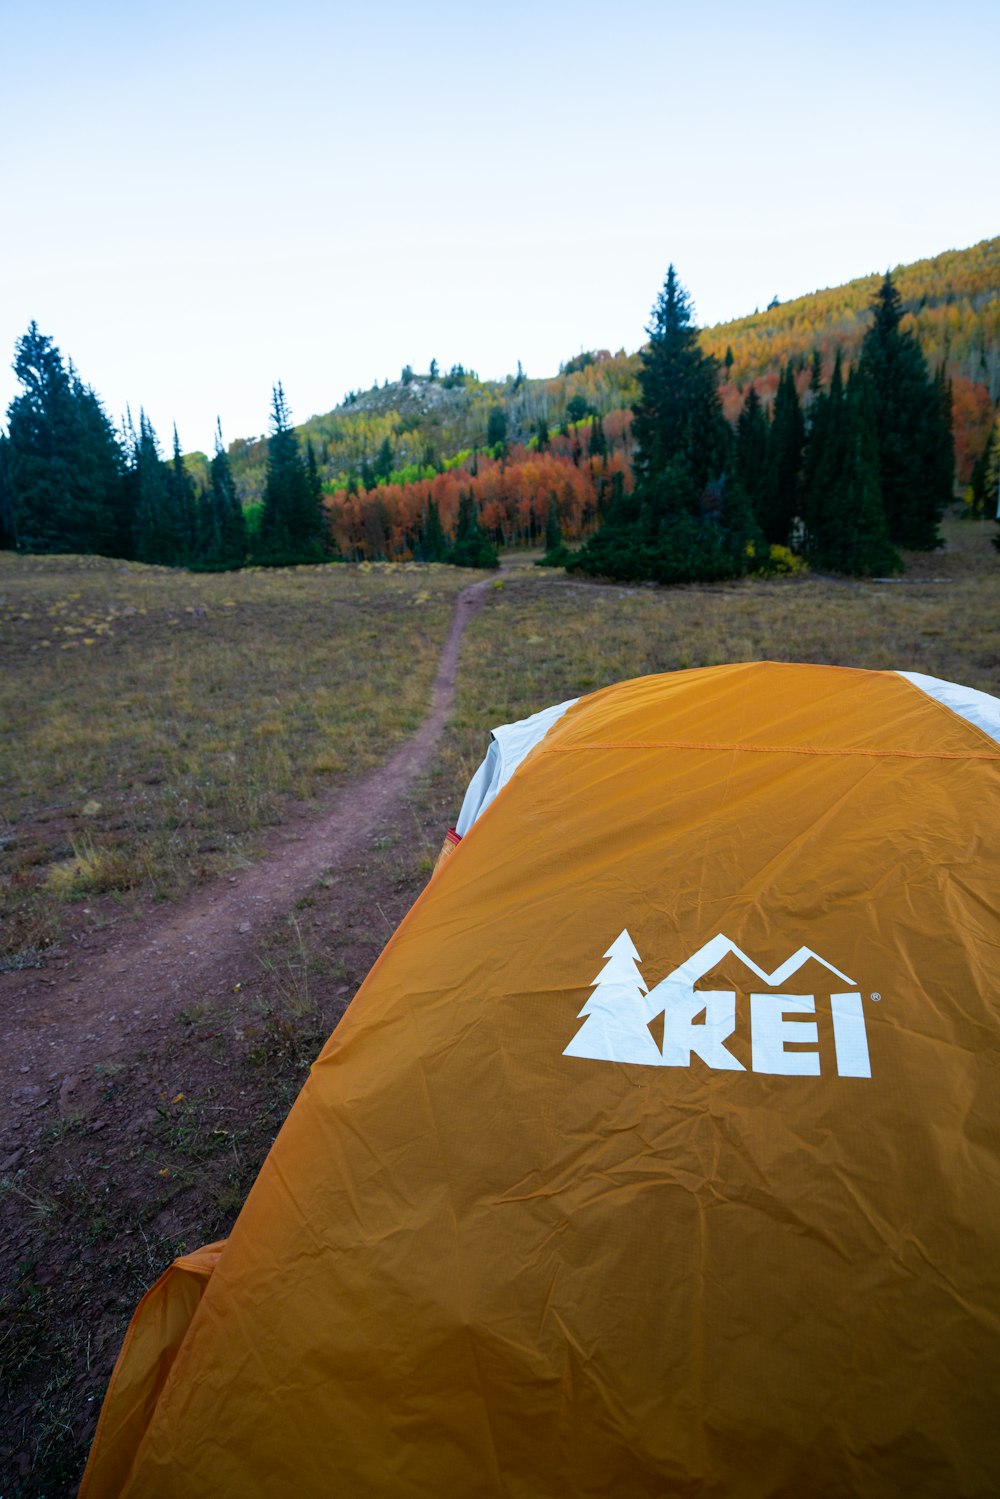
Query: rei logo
698,1022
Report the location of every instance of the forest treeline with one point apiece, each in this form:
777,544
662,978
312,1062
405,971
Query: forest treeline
843,475
69,482
443,466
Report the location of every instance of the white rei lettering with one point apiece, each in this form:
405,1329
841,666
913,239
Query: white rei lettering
698,1022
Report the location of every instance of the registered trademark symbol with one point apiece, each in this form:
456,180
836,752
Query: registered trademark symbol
876,996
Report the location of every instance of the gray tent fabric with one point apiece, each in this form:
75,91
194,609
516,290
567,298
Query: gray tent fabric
510,743
977,708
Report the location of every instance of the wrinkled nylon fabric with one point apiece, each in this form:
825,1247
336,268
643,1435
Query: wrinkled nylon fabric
156,1332
472,1264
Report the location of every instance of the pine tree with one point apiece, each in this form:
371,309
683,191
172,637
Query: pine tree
985,484
912,429
786,440
7,534
64,465
316,492
597,443
553,530
291,524
616,1017
751,455
158,537
383,460
816,373
472,547
846,529
183,503
99,468
496,428
687,518
433,543
222,532
678,413
542,433
557,554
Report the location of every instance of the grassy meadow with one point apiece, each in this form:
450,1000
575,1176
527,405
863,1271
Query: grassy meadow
206,708
153,723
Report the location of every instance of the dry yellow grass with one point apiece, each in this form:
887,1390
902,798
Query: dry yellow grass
152,722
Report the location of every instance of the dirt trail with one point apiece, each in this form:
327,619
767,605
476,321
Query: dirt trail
116,999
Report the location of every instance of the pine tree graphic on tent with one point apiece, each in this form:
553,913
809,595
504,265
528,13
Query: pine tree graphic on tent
616,1014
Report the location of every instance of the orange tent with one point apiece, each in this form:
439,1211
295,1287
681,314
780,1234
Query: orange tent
659,1153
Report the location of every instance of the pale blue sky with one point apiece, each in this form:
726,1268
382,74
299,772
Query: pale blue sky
203,198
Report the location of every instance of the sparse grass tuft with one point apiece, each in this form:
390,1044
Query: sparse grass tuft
92,871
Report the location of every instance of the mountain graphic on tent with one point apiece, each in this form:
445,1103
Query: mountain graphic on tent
618,1013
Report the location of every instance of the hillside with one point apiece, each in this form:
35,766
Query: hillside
425,427
952,304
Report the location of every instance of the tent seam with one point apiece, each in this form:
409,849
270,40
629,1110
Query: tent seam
766,749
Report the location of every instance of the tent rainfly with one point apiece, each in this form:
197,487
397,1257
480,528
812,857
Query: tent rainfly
659,1154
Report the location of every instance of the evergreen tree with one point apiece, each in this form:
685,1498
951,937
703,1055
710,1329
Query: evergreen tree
64,466
383,460
542,433
751,455
938,445
316,491
553,530
597,444
913,432
433,543
472,547
985,485
786,440
816,373
183,502
222,532
7,534
846,529
291,523
557,554
678,413
496,427
158,536
101,460
688,516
